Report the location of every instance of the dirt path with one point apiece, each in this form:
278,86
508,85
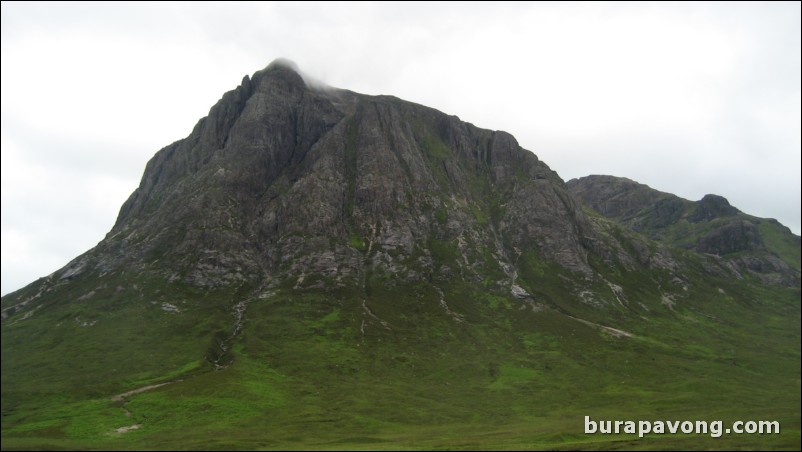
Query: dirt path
125,395
615,332
128,428
122,398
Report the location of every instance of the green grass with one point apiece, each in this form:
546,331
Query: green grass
357,243
305,376
780,243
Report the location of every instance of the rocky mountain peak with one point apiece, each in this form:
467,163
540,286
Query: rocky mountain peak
283,63
281,69
711,207
280,181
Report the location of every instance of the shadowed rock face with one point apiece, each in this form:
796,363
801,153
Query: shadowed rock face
731,237
711,207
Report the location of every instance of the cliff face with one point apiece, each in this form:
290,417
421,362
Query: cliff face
290,184
286,183
281,180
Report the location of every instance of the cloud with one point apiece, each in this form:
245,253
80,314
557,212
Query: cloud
688,98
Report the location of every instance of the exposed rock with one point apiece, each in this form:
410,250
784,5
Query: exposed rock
730,238
710,226
283,180
519,292
290,182
711,207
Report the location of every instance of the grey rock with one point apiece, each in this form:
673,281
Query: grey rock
710,226
316,186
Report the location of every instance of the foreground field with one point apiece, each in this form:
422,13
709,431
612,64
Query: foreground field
307,373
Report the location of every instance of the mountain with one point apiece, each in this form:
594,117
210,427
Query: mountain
759,247
317,268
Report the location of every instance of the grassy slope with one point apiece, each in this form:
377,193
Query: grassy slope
305,376
780,242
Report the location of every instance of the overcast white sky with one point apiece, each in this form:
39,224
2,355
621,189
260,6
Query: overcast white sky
687,98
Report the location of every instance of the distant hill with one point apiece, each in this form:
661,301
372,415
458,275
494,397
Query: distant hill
756,246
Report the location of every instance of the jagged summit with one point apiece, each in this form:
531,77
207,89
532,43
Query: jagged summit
713,206
285,63
290,71
281,68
